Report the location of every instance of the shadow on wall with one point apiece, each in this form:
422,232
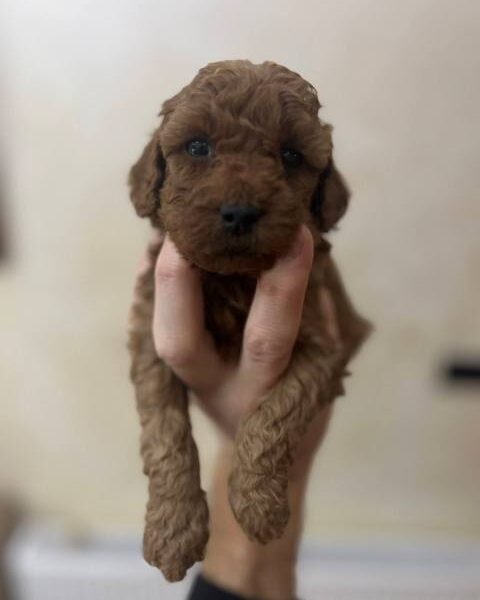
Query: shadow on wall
3,226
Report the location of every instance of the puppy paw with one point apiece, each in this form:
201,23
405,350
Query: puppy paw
175,536
260,505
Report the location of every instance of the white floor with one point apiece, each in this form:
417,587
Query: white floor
45,565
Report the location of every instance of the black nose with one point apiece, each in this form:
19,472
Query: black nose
239,218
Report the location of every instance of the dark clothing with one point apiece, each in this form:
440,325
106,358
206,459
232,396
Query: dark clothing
205,590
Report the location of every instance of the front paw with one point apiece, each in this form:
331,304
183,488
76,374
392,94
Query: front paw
175,536
259,503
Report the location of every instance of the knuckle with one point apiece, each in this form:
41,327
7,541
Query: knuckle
164,273
266,349
273,289
174,351
169,267
282,289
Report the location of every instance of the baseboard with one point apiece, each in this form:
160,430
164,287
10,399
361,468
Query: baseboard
45,564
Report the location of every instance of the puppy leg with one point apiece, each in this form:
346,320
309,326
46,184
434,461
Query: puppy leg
267,439
176,530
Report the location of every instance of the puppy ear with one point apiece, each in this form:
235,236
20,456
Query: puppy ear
145,179
330,199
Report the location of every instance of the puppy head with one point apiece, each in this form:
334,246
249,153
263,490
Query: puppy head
238,162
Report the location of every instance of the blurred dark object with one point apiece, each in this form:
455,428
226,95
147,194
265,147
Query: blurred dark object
464,371
9,518
3,226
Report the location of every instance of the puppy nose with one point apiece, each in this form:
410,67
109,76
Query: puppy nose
239,218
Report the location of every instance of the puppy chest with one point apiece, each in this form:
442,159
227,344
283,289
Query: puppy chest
227,302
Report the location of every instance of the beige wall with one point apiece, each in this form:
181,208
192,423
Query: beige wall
400,82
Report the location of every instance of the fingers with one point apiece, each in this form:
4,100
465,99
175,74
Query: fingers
183,342
180,337
275,314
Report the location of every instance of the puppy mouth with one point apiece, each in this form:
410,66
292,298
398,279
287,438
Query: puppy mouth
236,256
230,254
245,244
236,263
217,247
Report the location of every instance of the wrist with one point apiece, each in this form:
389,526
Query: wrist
251,569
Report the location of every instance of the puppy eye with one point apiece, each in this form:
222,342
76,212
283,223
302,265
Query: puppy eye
291,158
198,148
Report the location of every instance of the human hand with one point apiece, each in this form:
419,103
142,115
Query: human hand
226,391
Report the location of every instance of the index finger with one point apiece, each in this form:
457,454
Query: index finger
180,336
274,320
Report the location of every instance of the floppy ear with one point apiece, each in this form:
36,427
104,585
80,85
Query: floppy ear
330,199
145,179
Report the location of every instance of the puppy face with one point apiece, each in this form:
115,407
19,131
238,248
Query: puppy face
239,161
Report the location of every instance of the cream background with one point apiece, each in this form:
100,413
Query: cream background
400,82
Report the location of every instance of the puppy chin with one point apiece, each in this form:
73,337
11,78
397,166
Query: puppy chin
224,261
234,264
230,263
213,251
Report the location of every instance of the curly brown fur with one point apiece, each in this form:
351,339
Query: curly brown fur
247,113
176,529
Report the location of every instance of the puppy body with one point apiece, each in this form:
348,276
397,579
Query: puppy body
239,161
